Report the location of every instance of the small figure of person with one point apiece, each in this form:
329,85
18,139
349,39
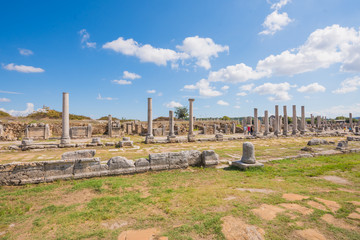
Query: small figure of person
252,130
249,130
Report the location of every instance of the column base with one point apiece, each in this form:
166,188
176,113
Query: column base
171,138
191,138
65,141
149,139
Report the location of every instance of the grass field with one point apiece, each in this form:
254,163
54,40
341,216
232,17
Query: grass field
192,203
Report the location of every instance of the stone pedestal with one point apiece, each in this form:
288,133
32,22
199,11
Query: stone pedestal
248,159
126,142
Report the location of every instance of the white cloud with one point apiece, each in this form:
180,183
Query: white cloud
204,88
25,52
348,85
224,88
8,92
279,91
274,22
173,104
247,87
242,94
122,82
339,110
85,36
4,100
202,49
280,4
222,103
151,91
29,109
235,74
312,88
146,53
129,75
99,97
22,68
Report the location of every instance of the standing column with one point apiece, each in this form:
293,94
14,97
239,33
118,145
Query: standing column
350,121
285,121
266,122
65,138
256,122
171,125
318,122
312,121
150,129
302,119
294,121
110,125
191,136
276,132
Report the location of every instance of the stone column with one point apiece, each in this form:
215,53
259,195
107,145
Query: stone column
294,120
312,121
286,121
233,128
256,122
149,135
276,130
266,122
65,137
47,131
110,125
318,122
171,124
303,119
191,136
350,121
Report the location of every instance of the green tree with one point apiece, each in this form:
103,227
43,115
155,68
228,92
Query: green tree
181,112
225,118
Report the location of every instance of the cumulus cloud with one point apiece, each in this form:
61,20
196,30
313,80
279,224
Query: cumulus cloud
22,68
279,91
236,74
311,88
348,85
173,104
242,94
85,36
224,88
29,109
202,49
222,103
280,4
4,100
99,97
151,91
130,75
247,87
204,88
275,22
25,52
122,82
339,110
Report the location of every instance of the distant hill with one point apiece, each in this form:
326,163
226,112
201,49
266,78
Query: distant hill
106,118
53,114
4,114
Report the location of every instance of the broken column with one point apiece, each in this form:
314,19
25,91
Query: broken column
303,119
285,121
350,121
149,136
312,121
318,122
256,122
233,128
276,131
171,125
248,159
266,122
65,137
191,136
294,121
110,125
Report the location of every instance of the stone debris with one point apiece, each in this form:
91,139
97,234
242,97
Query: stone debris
342,145
317,141
236,229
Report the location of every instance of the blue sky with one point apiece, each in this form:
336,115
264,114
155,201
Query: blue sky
231,56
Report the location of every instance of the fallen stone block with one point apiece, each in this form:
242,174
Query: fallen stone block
142,165
177,160
159,161
120,165
78,154
56,170
87,167
194,157
209,158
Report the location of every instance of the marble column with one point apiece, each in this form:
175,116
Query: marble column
171,124
285,121
294,120
256,122
266,122
191,136
350,121
312,121
65,137
318,122
303,123
276,131
149,135
110,126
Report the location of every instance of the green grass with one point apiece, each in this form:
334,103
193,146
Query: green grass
182,204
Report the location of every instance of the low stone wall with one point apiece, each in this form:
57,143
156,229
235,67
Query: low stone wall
83,164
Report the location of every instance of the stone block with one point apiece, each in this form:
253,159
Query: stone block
142,165
87,167
244,166
109,144
126,143
78,154
209,158
25,173
96,140
56,170
159,161
248,153
342,144
120,165
177,160
194,157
